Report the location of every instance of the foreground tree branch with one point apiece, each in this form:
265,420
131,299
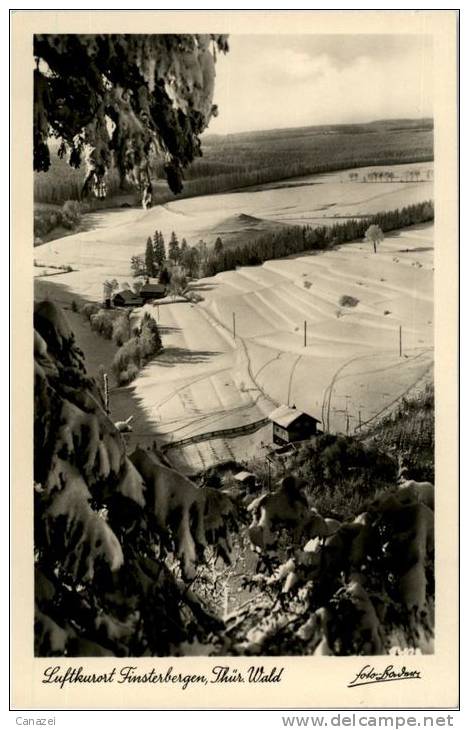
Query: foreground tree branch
127,101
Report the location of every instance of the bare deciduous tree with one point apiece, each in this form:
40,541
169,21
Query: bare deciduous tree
374,235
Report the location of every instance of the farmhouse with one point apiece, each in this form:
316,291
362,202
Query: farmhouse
127,298
290,424
152,291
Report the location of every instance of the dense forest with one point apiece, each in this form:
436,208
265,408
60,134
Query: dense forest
253,158
299,239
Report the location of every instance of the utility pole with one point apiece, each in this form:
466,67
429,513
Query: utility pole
305,334
347,415
234,326
359,418
106,393
400,340
269,480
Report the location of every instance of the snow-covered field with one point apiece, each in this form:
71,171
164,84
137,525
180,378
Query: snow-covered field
116,235
351,367
208,380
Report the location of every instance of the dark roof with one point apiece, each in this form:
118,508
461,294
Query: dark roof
126,294
152,289
284,416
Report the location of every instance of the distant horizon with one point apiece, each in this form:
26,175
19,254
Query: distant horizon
381,120
53,141
288,81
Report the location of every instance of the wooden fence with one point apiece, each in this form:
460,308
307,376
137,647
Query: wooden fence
220,433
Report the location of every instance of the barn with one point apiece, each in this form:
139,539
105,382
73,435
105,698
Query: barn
290,424
127,298
152,291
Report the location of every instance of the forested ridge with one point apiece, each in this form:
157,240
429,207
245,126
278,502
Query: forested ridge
241,160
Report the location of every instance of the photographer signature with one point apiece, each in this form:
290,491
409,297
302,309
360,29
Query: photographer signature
368,675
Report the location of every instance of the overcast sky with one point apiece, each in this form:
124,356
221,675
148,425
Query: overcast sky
266,82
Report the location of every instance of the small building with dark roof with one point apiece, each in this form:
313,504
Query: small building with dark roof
247,479
290,425
152,291
127,298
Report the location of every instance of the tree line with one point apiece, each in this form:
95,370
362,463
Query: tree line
390,176
137,344
161,259
211,177
237,161
300,239
179,258
245,175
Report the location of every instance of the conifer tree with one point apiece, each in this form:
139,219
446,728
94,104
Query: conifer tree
150,259
174,252
159,250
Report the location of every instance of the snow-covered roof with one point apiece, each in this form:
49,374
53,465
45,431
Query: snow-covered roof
284,416
241,476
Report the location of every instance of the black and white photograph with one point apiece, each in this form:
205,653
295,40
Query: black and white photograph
234,347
